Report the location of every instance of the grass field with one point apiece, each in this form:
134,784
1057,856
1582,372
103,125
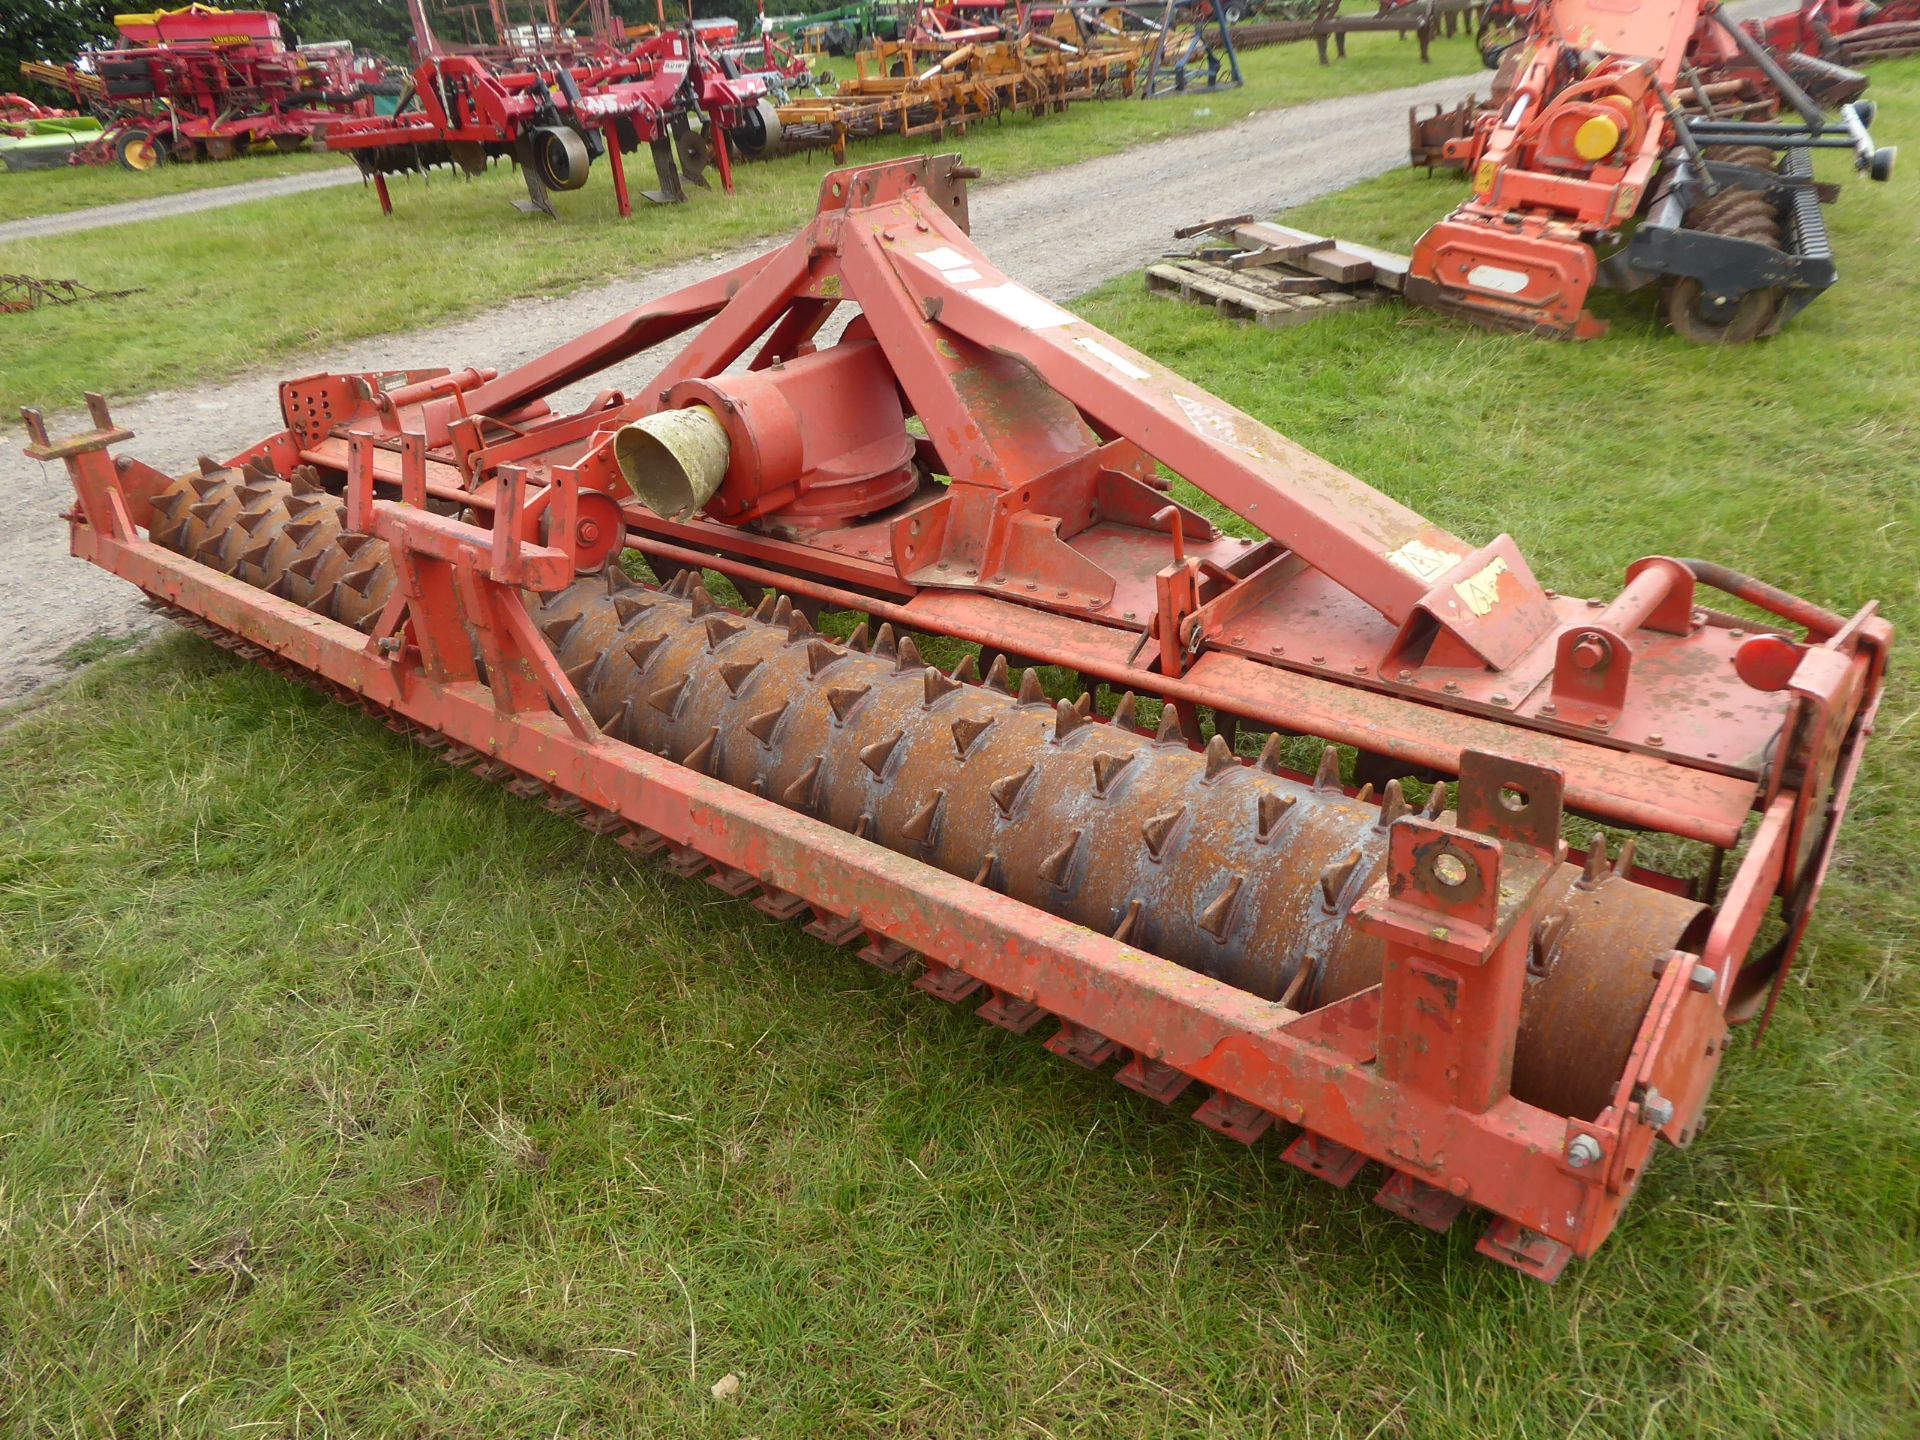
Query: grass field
343,1094
82,187
277,281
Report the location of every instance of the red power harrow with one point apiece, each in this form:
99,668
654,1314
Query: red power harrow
1422,975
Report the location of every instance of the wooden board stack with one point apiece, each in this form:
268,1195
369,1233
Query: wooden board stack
1273,275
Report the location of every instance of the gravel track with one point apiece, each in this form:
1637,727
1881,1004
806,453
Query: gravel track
1062,233
165,207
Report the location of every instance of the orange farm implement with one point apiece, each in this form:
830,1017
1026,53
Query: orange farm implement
1293,844
1591,169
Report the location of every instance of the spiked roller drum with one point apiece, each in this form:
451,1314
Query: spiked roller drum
1287,827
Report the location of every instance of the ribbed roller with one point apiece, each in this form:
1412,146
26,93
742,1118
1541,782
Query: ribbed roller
1229,868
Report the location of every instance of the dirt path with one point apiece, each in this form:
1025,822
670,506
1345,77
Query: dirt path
163,207
1061,233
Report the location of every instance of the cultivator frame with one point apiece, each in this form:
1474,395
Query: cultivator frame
436,547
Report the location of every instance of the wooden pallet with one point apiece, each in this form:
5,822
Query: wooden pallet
1275,276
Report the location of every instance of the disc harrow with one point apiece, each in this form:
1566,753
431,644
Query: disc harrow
1296,837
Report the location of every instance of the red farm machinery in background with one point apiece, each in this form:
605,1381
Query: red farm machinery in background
1632,144
554,104
1291,839
205,84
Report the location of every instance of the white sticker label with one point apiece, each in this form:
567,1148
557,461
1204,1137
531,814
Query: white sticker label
1211,422
1481,591
1423,561
963,277
1020,305
1492,277
945,258
1111,358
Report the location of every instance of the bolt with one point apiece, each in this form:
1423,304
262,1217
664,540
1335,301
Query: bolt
1360,668
1549,709
1735,634
1702,978
1593,603
1498,698
1601,722
1590,652
1582,1151
1452,687
1656,1110
1319,659
1656,739
1406,674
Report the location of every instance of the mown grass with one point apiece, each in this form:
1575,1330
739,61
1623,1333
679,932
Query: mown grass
230,289
81,187
342,1093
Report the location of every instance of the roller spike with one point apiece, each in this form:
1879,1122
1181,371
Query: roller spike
1436,805
968,729
997,676
1159,829
618,580
1393,805
170,501
640,649
300,506
1031,691
1333,879
701,754
924,822
302,531
1623,865
1365,793
281,585
251,520
258,554
737,674
845,697
1327,776
861,640
1269,760
623,718
557,631
1220,757
1217,918
875,756
984,875
627,604
909,658
1123,713
801,793
967,672
209,467
797,626
769,602
577,674
1065,720
253,493
863,828
1083,704
699,600
722,628
1006,790
762,726
207,509
668,695
1129,922
885,644
679,584
1272,810
1170,732
352,542
1545,939
1054,868
306,568
258,468
1106,768
1597,867
361,580
305,480
933,685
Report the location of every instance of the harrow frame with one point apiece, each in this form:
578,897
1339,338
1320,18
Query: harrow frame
1411,1072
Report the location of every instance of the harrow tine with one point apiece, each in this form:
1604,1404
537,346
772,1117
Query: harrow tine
670,191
